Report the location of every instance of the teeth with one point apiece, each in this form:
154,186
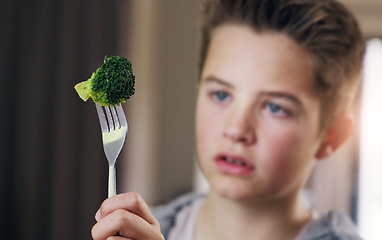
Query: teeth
233,161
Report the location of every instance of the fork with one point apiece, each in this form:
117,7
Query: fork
114,129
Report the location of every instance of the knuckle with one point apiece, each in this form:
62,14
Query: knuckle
122,216
156,223
135,199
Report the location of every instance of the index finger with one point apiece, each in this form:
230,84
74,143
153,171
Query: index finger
131,201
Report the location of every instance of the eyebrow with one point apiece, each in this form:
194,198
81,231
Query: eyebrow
217,80
282,95
287,96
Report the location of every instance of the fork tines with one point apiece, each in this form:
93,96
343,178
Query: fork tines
110,117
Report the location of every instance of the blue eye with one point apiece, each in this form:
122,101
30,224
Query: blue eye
220,95
276,109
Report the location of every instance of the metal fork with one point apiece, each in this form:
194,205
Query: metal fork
114,129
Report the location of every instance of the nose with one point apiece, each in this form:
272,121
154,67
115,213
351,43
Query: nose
240,128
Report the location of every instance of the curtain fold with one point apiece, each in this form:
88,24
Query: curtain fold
53,172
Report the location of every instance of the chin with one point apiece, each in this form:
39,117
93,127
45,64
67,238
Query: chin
232,190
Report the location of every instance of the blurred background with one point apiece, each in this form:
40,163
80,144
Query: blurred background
53,172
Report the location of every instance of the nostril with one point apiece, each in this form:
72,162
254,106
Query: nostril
240,126
246,137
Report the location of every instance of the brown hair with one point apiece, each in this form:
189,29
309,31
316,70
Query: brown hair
325,28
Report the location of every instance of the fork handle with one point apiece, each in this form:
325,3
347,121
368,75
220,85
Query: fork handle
112,188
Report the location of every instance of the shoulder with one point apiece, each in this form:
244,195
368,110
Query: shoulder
166,214
333,226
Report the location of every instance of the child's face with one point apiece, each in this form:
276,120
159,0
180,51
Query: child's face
257,117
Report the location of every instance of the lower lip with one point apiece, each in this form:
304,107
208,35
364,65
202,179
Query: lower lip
233,169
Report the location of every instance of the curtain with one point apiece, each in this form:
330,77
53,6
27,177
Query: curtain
53,172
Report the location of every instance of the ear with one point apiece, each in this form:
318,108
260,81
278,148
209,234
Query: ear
335,135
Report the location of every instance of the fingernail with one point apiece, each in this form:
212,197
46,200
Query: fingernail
98,215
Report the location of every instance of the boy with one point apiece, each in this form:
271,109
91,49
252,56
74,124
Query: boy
277,79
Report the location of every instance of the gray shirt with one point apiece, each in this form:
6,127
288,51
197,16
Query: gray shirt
179,215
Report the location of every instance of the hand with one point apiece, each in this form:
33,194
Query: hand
126,216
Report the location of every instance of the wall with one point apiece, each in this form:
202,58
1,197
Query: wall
159,147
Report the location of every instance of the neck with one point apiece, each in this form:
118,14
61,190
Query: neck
222,218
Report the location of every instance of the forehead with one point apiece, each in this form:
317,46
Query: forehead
239,52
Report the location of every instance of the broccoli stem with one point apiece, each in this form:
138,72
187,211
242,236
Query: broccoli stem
84,89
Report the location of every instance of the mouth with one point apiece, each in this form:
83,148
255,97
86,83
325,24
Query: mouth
234,164
233,161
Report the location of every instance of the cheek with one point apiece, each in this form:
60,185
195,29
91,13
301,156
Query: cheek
288,152
204,126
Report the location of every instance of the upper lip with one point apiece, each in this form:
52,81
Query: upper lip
234,157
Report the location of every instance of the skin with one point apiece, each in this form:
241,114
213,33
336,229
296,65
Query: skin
256,102
256,105
258,137
125,216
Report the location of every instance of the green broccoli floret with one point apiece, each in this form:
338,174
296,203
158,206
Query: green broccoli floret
110,84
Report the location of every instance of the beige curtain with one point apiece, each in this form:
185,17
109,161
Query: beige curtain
53,173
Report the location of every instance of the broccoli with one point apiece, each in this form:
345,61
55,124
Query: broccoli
110,84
